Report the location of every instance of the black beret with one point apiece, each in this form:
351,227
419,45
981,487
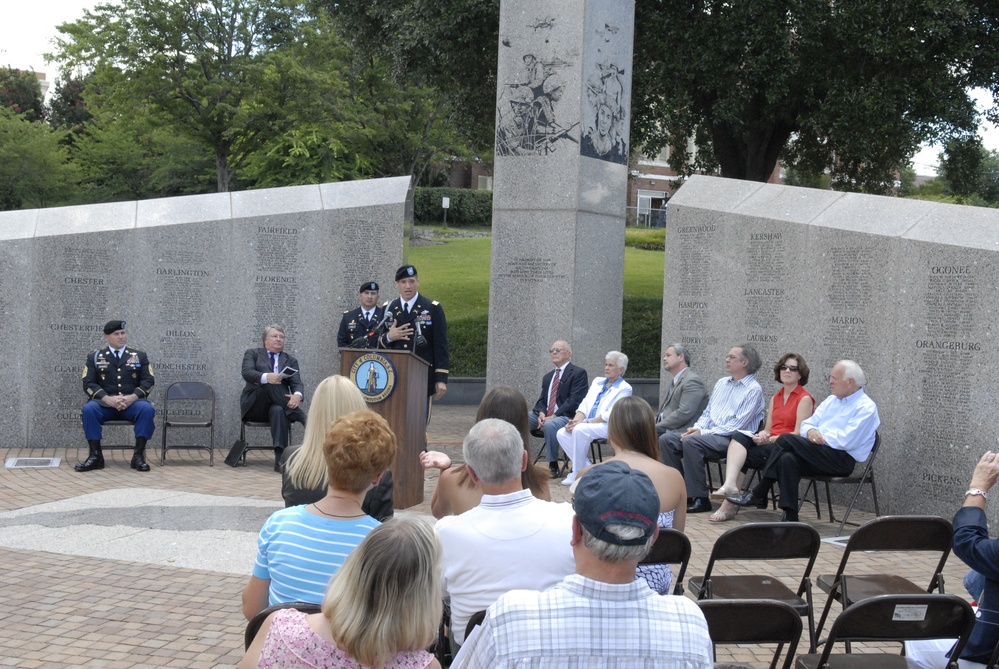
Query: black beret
370,285
113,326
405,271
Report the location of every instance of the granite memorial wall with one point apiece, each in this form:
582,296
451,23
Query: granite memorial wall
906,288
563,109
196,279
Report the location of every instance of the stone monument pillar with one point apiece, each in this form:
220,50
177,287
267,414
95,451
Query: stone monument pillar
563,109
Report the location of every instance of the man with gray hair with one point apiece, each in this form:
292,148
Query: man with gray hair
600,616
831,441
686,396
736,404
511,539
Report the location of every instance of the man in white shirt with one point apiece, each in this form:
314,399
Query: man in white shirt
600,616
831,441
511,539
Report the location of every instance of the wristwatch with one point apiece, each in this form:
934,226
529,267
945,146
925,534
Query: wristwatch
976,491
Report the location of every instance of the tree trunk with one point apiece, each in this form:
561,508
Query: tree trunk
751,156
223,170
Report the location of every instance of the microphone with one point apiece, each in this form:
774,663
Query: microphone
420,339
385,319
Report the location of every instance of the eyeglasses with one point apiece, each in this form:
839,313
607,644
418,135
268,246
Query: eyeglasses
789,368
555,350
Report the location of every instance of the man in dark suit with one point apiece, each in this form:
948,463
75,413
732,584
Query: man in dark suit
559,399
117,379
359,327
273,390
419,326
686,395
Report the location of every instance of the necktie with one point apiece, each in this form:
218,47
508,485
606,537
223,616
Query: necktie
117,356
406,308
596,404
552,393
273,357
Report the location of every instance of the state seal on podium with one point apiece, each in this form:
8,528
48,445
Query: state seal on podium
374,375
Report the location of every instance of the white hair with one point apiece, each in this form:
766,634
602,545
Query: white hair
852,370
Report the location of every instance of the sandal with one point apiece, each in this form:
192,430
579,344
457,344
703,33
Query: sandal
722,493
721,516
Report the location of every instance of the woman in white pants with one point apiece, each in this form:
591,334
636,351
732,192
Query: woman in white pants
590,421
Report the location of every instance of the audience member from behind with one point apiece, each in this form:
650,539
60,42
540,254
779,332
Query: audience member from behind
973,546
601,616
791,405
631,432
511,539
381,609
300,547
304,478
456,492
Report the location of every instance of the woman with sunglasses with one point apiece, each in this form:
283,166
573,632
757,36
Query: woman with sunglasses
791,405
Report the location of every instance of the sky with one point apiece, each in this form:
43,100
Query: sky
22,43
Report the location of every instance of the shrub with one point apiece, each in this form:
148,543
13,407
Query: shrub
469,208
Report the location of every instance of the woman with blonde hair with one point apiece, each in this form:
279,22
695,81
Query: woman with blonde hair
456,492
631,432
380,610
303,470
300,547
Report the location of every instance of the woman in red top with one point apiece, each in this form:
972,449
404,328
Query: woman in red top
791,405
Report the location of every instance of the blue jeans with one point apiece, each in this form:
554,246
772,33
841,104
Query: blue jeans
550,429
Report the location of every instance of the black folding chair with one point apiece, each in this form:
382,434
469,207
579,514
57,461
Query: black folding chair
756,621
894,618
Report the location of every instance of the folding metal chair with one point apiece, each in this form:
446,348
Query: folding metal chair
886,534
671,547
866,476
756,621
187,393
894,618
763,541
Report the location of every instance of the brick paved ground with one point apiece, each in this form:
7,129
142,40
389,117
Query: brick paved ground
67,607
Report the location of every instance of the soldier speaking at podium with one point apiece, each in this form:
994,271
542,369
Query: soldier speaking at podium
419,326
117,379
359,327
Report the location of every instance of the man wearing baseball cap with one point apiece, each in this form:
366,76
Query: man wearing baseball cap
117,379
601,616
359,327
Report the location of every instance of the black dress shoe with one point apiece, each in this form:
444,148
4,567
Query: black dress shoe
747,499
139,462
553,468
277,467
91,463
699,505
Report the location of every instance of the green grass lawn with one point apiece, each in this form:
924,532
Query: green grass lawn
456,273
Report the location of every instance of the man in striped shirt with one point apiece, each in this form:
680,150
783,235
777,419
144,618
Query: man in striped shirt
736,404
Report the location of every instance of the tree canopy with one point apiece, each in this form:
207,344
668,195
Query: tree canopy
853,86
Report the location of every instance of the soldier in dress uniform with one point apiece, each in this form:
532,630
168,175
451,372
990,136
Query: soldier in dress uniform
118,380
419,326
359,328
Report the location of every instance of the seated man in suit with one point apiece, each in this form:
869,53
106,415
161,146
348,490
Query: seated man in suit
562,389
273,390
686,397
830,442
590,420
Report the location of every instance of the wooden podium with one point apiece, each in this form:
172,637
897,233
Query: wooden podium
405,409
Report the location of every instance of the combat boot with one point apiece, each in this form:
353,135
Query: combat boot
95,460
139,457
